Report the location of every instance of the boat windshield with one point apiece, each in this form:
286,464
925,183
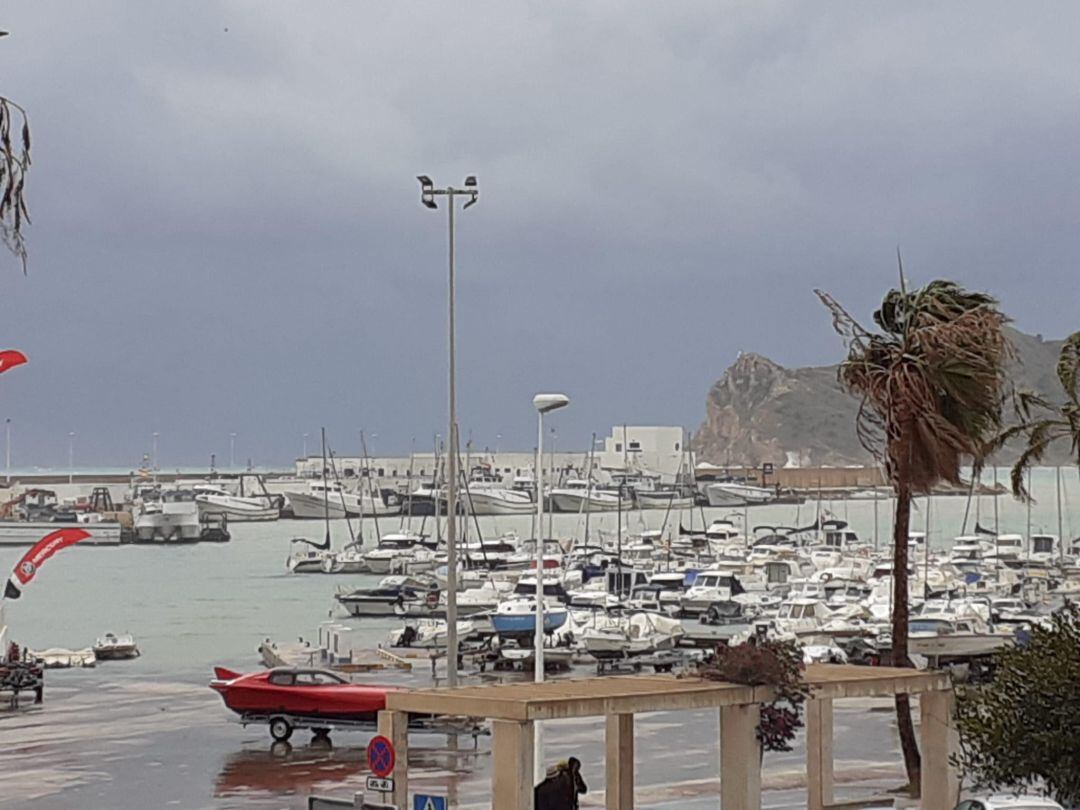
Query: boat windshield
938,626
317,677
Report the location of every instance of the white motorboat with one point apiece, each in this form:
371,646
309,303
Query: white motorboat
726,493
111,647
172,518
394,550
498,501
428,633
578,495
639,633
938,635
385,598
350,560
216,501
714,585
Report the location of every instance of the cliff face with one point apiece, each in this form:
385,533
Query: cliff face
759,411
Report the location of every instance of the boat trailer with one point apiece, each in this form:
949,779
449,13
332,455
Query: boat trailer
282,725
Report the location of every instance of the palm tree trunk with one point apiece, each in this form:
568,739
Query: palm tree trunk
900,631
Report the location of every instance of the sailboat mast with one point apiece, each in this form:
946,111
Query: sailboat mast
326,490
1061,536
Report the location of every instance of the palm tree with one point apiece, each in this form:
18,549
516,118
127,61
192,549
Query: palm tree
14,167
931,380
1043,423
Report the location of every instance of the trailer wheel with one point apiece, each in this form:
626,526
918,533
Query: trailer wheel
280,729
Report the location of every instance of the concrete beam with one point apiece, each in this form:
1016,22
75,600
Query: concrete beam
512,765
740,758
940,781
819,753
620,762
395,727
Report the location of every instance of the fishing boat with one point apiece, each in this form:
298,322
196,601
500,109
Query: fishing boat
727,493
663,499
242,506
111,647
322,496
498,501
579,496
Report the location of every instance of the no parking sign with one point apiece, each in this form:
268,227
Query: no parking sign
381,756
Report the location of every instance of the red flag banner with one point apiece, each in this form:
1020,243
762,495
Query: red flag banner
11,358
33,559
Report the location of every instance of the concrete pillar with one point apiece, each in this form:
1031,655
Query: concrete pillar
395,727
740,758
512,765
819,753
940,781
620,762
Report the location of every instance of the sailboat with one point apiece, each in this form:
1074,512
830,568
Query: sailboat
312,558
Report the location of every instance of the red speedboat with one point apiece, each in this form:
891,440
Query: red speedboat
312,693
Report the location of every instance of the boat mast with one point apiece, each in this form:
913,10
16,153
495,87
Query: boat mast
1061,536
409,485
1029,512
326,491
376,498
588,485
997,528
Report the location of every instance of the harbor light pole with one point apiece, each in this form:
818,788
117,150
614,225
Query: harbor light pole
7,449
428,193
544,403
304,454
232,451
71,457
153,455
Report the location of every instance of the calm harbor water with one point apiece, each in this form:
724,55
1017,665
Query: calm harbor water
148,733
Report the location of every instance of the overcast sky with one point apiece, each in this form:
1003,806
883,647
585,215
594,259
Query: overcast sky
228,237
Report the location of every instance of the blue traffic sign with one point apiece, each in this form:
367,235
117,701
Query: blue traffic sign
422,801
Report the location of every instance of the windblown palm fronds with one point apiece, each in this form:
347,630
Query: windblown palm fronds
14,166
1043,423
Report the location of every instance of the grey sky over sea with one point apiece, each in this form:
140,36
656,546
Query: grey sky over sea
228,237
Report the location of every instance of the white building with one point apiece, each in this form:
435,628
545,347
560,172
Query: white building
642,449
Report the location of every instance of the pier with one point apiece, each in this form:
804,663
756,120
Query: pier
514,709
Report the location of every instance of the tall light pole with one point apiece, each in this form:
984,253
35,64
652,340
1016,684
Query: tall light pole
232,451
153,455
544,403
7,448
304,456
71,457
428,193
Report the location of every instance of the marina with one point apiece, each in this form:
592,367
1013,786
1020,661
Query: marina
174,609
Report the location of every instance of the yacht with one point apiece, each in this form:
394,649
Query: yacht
385,598
714,585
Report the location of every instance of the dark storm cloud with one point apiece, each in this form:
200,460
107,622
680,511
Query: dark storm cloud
227,233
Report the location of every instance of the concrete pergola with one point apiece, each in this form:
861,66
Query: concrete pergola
513,708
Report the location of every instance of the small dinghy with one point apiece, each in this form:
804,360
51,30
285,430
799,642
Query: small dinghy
112,647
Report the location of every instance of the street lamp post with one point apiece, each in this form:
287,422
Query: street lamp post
304,455
71,457
232,451
153,455
428,193
544,403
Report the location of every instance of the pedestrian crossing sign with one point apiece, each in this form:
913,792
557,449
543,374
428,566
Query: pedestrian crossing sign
422,801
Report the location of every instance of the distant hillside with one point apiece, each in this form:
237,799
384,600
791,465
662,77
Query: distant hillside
759,411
